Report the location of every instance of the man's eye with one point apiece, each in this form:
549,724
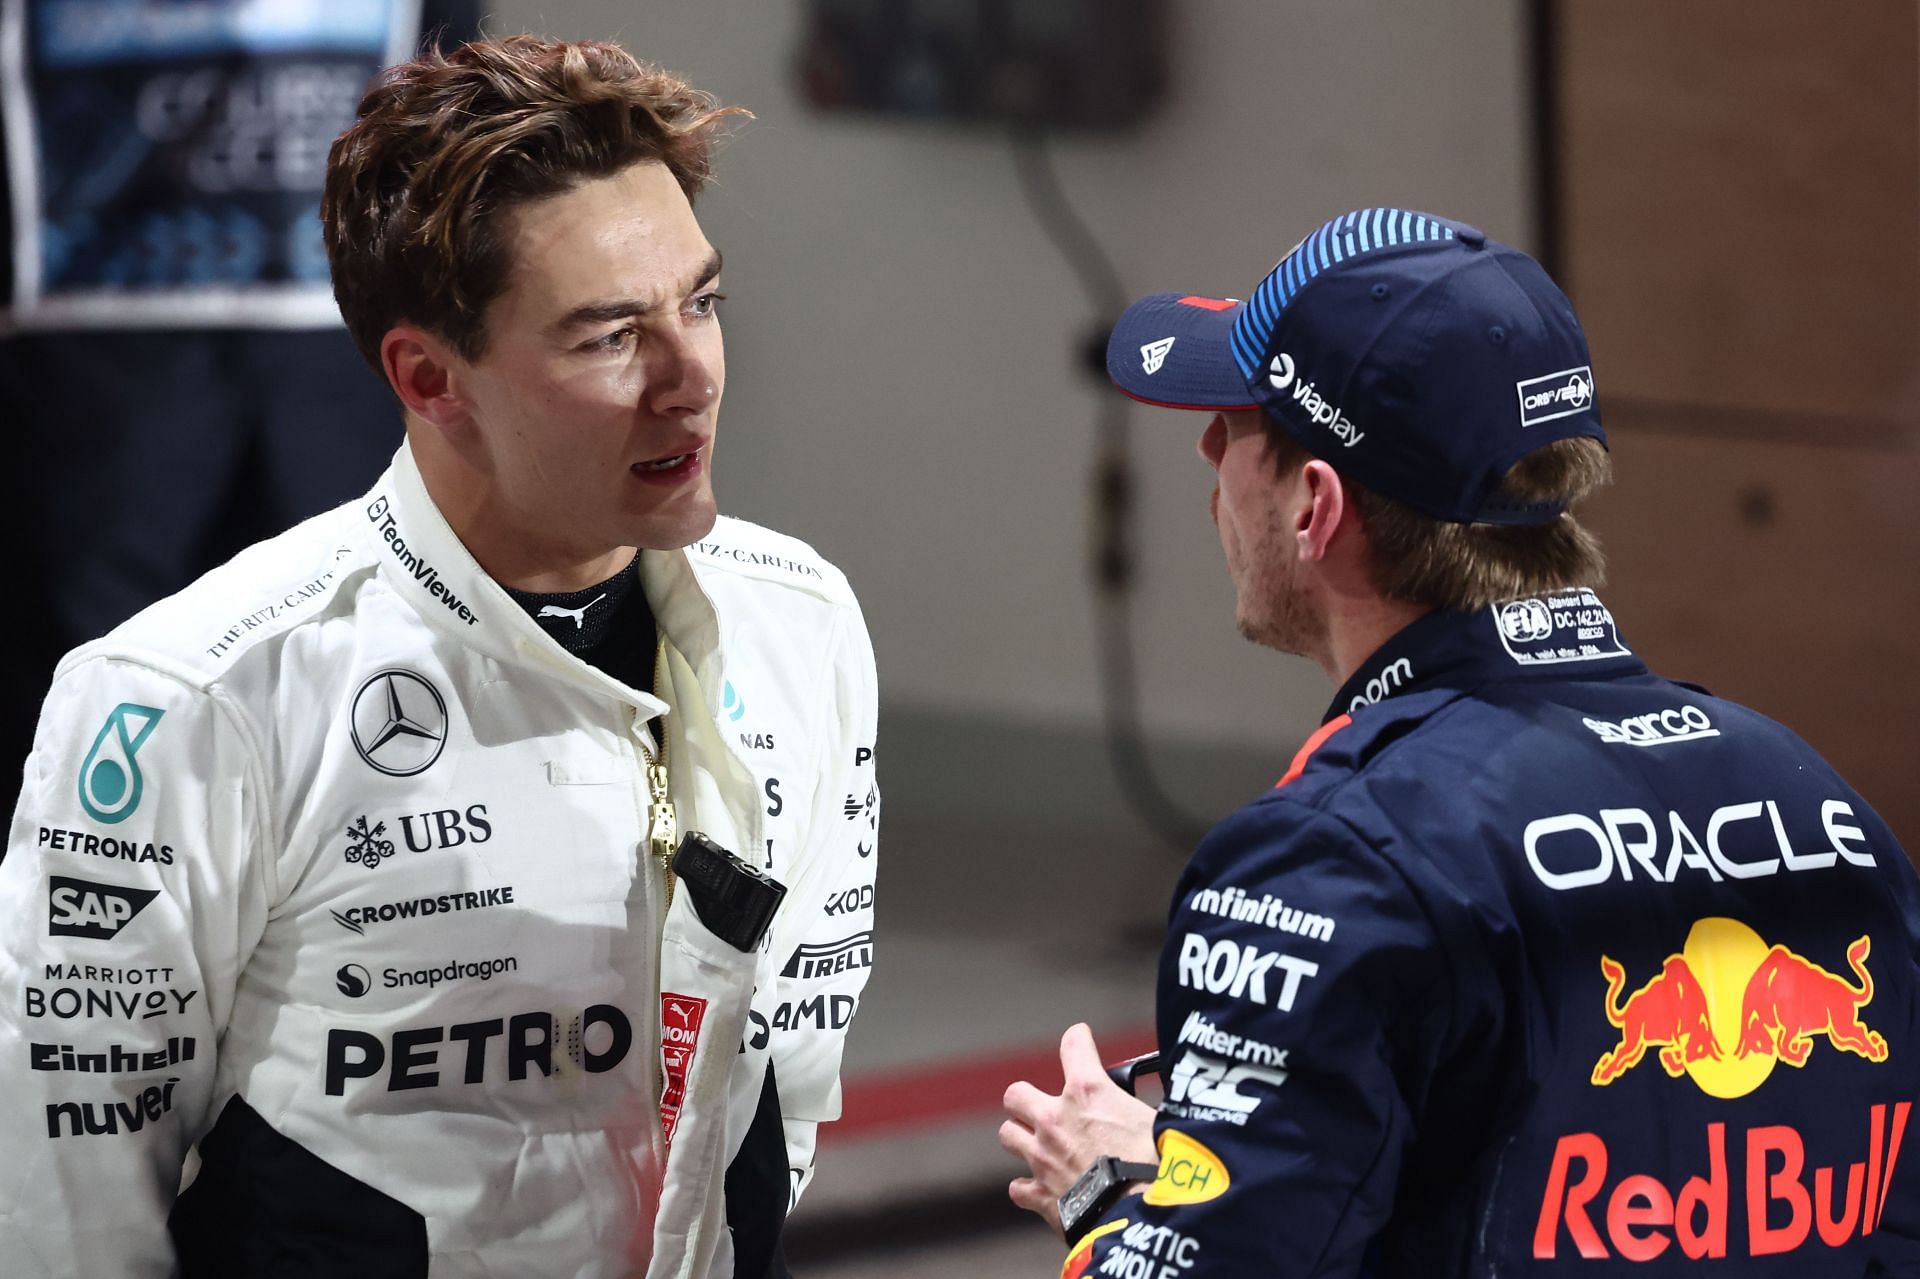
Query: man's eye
705,304
617,340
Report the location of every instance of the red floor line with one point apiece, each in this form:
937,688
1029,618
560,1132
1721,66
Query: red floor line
926,1093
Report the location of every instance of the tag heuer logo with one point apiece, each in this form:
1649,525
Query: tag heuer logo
1154,354
399,723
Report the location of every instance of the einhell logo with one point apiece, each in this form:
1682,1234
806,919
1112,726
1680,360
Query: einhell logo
1728,1045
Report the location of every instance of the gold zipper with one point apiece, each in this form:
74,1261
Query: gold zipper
662,823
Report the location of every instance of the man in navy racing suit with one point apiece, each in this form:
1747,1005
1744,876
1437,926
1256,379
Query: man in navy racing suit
1533,962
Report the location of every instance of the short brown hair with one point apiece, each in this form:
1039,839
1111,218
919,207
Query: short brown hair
1441,564
445,144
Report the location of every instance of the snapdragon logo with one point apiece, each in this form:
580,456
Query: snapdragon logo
1283,375
1561,394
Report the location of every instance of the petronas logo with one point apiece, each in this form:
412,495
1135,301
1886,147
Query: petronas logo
110,782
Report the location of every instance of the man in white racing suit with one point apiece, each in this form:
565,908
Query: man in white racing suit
337,929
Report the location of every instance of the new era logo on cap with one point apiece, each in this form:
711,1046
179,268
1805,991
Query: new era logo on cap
1561,394
1154,354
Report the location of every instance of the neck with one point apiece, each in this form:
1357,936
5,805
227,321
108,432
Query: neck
1357,627
516,549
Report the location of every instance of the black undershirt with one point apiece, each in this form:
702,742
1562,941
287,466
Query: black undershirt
607,625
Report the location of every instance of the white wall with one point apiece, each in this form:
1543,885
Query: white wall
903,390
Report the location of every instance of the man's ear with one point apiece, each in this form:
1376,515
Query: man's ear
1324,506
425,373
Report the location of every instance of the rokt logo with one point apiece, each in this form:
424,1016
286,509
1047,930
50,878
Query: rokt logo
1728,1049
110,781
399,723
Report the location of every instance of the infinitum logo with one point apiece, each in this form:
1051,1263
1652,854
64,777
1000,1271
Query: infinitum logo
1283,375
1561,394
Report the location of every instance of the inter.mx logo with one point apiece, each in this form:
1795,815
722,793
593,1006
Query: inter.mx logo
82,908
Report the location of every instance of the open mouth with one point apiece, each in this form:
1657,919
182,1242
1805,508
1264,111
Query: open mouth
669,467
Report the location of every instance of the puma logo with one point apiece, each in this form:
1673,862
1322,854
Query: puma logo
579,615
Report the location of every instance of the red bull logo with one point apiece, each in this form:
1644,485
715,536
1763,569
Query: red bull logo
1728,1007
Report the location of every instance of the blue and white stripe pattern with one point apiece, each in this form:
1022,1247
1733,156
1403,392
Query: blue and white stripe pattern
1350,235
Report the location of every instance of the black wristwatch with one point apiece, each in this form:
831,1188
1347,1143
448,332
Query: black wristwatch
1099,1188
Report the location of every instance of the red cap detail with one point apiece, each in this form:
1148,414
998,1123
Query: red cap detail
1210,304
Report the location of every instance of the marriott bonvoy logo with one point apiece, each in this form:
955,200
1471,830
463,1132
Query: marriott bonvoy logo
1284,376
1561,394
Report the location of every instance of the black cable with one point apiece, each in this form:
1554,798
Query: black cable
1113,561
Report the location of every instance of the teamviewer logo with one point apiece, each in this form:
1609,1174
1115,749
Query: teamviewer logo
1561,394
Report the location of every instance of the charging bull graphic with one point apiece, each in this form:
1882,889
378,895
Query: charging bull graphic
1726,1044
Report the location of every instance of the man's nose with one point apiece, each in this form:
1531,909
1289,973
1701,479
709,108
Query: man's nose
680,382
1213,441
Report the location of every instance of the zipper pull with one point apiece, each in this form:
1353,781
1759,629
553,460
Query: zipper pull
662,823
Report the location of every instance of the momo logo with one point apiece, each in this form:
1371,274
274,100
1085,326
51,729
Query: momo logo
680,1018
1283,375
1204,1087
1562,394
1728,1006
399,723
1526,621
1154,354
1655,728
110,780
80,908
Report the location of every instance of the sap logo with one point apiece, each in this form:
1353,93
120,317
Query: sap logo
831,958
1387,681
596,1041
1230,968
80,908
1656,728
853,899
821,1012
105,1119
1204,1034
1204,1087
1573,850
1562,394
1320,411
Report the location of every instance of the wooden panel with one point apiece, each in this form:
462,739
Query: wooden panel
1740,181
1782,576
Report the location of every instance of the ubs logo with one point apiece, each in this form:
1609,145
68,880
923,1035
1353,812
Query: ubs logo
399,723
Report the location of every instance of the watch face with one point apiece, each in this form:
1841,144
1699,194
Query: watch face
1084,1191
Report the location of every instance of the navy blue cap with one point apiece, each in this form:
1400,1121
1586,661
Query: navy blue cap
1416,356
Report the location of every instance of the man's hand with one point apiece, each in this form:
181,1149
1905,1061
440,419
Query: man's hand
1060,1136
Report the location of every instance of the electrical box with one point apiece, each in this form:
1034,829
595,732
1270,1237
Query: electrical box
1055,64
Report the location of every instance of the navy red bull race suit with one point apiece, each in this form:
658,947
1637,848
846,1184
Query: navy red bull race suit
1536,963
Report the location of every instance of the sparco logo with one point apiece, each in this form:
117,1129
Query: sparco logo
355,919
80,908
1321,411
399,723
1656,728
1561,394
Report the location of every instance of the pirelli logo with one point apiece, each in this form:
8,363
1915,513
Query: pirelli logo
827,959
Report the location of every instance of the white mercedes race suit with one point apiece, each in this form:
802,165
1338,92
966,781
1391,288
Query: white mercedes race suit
339,840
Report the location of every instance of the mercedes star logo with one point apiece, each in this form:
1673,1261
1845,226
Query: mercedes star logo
399,723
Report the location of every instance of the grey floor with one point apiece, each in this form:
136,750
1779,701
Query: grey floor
991,940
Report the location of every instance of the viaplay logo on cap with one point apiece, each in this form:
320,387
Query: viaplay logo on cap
1562,394
1283,375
